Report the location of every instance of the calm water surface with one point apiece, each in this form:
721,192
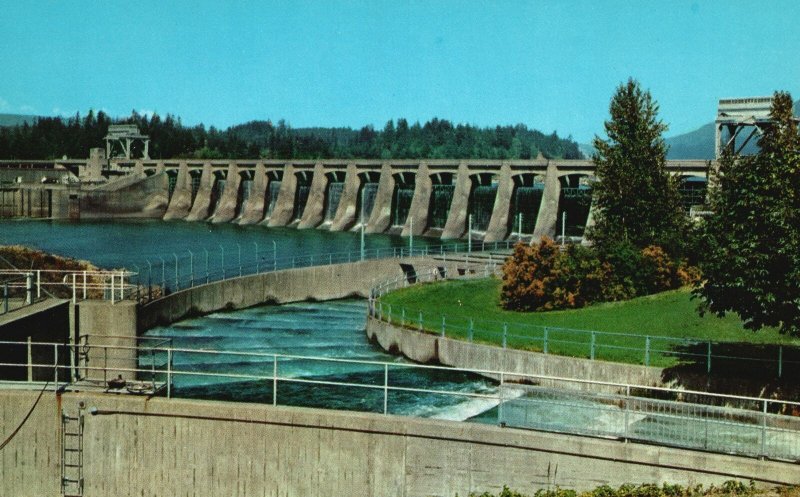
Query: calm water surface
125,243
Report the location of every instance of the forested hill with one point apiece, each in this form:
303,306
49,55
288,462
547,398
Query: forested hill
52,137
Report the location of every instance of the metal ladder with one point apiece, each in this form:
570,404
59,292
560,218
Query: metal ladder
72,454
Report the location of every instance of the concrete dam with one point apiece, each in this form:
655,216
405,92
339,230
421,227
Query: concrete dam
439,198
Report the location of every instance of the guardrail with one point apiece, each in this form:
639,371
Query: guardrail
636,348
178,272
73,284
747,426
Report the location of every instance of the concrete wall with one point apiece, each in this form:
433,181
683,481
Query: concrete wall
425,347
136,446
49,322
111,325
147,196
38,201
312,283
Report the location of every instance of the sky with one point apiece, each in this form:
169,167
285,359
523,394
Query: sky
552,65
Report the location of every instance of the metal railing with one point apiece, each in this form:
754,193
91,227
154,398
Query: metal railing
648,350
174,272
73,284
747,426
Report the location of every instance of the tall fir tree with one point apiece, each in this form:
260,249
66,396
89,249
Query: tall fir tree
751,257
636,200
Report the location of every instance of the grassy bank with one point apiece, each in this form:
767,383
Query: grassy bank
632,331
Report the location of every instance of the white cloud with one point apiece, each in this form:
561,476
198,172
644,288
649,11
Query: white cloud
3,104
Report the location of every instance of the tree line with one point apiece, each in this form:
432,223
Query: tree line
55,137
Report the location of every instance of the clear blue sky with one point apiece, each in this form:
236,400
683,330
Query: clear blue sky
550,65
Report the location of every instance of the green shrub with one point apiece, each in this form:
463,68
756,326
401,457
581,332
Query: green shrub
543,277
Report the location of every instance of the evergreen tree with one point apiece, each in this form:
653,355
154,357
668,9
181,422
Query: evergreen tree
636,200
751,257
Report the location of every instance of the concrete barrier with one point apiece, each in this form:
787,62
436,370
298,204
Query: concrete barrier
137,446
424,347
329,282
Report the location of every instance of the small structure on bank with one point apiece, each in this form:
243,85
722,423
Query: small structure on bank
123,140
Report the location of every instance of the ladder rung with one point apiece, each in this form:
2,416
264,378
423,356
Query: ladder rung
71,450
73,434
73,465
70,418
69,480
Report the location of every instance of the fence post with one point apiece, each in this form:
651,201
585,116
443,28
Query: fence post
627,411
403,317
546,332
380,311
420,320
500,420
169,373
708,359
389,313
55,362
84,285
471,329
386,389
74,290
443,325
780,361
764,430
28,288
591,352
30,361
275,379
505,334
5,298
647,351
38,283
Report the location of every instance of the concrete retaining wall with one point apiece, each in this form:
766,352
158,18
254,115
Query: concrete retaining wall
160,447
313,283
424,347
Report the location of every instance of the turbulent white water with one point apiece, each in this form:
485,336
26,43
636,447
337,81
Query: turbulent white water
313,332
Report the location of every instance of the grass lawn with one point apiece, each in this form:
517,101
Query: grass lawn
659,330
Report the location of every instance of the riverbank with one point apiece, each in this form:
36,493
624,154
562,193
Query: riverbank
624,326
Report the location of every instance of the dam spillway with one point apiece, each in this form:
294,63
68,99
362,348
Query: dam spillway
503,199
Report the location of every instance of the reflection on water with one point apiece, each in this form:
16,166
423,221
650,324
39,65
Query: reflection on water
125,243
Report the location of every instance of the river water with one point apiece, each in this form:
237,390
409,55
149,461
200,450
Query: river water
129,243
330,330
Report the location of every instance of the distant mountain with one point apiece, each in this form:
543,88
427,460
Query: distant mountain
699,144
16,119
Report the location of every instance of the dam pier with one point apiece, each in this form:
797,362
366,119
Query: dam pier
493,200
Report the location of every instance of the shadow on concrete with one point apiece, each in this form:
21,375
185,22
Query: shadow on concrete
738,368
